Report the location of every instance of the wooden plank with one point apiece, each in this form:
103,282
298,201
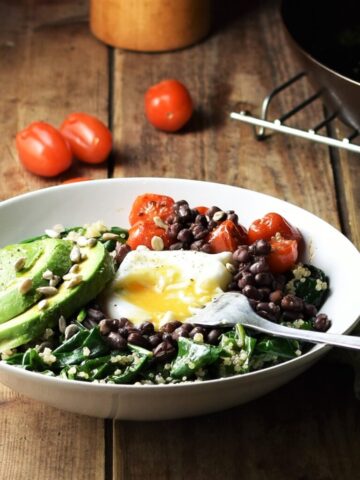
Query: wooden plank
307,429
40,442
46,72
242,60
50,66
347,170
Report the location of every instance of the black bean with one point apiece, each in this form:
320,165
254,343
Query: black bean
200,232
121,250
322,322
173,230
201,220
180,332
290,316
196,330
210,211
231,215
167,337
213,336
212,225
264,278
176,246
105,326
197,245
95,314
251,292
260,266
125,322
246,279
89,323
147,328
269,307
137,339
124,332
292,303
310,310
185,235
155,339
116,341
264,293
242,254
185,214
164,351
179,204
268,315
206,248
169,327
276,296
262,247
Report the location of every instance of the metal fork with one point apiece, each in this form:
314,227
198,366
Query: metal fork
231,308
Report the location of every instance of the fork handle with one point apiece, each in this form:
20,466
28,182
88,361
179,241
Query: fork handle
346,341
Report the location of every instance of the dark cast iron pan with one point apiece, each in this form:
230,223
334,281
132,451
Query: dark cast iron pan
325,34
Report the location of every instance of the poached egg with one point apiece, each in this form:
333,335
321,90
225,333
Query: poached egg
161,286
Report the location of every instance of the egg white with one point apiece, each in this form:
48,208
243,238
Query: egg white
165,285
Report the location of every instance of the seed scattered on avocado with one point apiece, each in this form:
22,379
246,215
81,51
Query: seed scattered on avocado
25,286
20,263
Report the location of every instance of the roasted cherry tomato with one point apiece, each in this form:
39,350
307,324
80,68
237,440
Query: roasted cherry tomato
89,137
76,179
271,224
168,105
43,150
149,234
283,255
227,237
150,205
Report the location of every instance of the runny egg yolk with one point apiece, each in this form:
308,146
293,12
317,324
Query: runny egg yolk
166,285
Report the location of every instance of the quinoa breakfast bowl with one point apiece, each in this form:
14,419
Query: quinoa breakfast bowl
104,276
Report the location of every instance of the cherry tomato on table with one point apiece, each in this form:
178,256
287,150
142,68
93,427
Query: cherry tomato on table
89,137
168,105
143,233
150,205
43,150
283,255
227,237
271,224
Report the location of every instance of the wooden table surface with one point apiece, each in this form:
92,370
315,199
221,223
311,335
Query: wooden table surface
51,65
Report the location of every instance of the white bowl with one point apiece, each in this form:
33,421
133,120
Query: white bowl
110,201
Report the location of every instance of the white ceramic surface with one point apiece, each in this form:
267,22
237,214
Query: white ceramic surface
110,201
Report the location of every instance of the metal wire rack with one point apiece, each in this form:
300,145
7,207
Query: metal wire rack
262,122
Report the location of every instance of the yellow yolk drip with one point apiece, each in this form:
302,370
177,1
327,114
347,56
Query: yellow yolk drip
164,289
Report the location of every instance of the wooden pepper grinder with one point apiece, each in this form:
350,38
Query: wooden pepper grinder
150,25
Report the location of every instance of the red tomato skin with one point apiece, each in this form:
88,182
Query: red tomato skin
168,105
42,150
141,233
283,255
150,205
227,237
271,224
89,137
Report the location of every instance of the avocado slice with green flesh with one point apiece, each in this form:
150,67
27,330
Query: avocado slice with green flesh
49,254
96,271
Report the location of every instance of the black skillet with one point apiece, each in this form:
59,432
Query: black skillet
325,35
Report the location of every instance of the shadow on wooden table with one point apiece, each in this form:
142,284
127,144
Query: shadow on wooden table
289,434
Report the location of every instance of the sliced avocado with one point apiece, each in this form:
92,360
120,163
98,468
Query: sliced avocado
39,256
96,271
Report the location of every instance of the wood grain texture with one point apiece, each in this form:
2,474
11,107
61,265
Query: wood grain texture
50,66
40,442
243,59
46,72
308,429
